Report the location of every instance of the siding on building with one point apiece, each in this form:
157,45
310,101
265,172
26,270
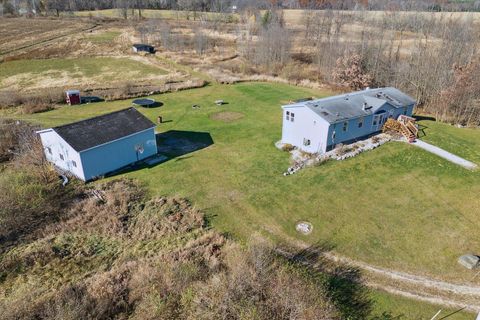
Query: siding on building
117,154
54,146
304,127
312,133
100,160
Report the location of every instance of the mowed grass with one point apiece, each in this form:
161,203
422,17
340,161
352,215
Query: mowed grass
47,72
404,309
397,206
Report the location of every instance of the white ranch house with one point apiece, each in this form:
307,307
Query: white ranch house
316,126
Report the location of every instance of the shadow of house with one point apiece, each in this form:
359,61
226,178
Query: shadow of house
421,127
174,143
171,145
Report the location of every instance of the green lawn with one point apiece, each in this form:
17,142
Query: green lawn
397,206
38,73
407,309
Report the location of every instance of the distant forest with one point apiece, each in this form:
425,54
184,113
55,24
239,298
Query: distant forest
15,7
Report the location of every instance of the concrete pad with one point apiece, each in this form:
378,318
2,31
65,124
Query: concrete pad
445,154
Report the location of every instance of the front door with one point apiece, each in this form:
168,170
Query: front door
378,121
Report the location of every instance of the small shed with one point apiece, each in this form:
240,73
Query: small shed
73,97
139,47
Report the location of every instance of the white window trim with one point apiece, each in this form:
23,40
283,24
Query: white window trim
361,122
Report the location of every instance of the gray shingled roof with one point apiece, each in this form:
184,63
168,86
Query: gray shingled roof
89,133
351,105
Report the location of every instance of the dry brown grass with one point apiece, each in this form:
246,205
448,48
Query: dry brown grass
17,33
32,102
31,195
118,254
227,116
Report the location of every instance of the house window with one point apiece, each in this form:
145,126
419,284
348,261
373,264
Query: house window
405,110
345,126
61,156
306,142
288,115
375,119
292,117
74,164
333,135
49,150
360,122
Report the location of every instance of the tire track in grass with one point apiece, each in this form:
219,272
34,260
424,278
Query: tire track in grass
47,41
445,293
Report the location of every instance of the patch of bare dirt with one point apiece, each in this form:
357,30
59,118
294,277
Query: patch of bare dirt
227,116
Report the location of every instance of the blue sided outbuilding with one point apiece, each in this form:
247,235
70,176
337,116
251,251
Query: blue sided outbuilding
91,148
316,126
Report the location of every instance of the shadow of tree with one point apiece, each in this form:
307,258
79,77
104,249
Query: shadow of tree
343,283
421,118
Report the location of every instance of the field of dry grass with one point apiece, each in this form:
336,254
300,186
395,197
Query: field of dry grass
93,72
294,17
352,31
17,33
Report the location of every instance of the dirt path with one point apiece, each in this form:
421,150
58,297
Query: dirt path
440,292
406,277
404,284
446,290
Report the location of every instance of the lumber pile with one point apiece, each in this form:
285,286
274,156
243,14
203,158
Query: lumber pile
405,125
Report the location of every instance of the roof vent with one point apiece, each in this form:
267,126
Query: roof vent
366,107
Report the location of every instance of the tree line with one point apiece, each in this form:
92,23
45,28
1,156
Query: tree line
14,7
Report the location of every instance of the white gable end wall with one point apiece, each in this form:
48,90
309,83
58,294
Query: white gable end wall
307,131
55,148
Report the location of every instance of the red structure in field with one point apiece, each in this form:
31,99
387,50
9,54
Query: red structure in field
73,97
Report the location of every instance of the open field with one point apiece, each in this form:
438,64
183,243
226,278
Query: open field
104,37
396,207
160,14
295,17
20,32
37,74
